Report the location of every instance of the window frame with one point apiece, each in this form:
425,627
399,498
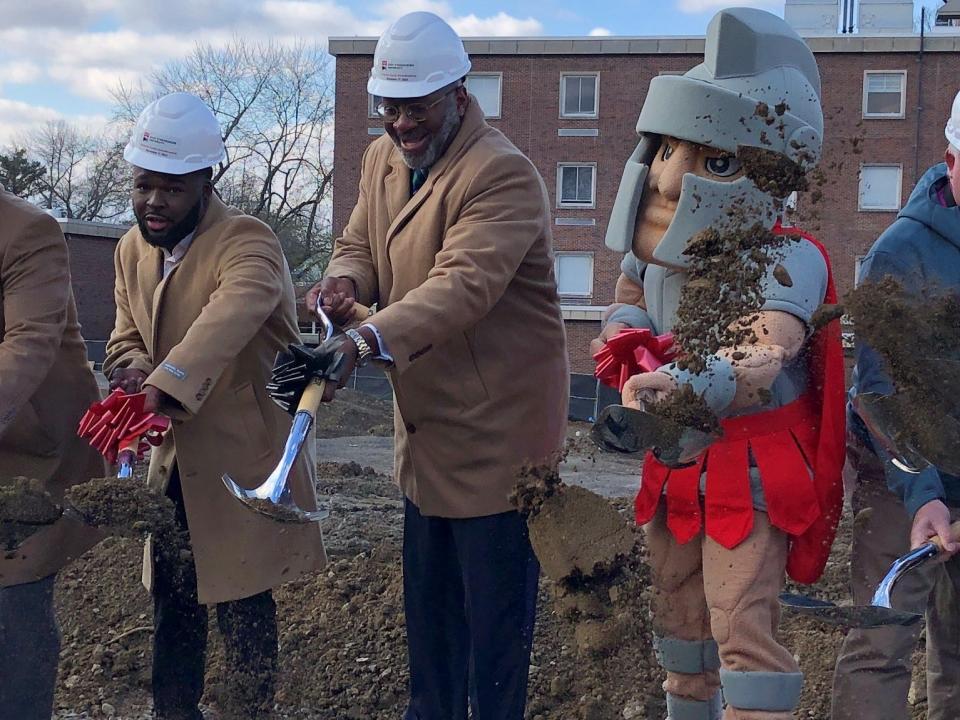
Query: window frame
490,73
899,201
563,95
372,102
593,186
903,96
558,254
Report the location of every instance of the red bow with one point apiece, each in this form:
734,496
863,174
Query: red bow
630,352
118,423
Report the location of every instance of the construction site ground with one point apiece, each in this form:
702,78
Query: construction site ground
342,645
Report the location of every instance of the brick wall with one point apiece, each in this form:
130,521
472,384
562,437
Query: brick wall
530,117
91,269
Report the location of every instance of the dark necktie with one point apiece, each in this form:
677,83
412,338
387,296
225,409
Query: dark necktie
417,178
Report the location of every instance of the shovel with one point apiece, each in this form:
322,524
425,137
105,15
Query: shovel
622,429
21,531
273,498
879,613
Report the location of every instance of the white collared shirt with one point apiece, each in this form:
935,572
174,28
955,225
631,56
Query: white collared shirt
172,258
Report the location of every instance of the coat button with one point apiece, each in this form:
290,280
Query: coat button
411,428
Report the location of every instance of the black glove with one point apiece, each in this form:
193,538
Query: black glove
294,369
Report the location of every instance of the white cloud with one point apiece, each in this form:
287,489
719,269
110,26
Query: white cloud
600,32
19,72
18,118
499,24
699,6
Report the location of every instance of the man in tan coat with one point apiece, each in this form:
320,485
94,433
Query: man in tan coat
451,239
204,302
45,386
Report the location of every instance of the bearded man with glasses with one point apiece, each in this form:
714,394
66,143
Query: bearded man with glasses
451,239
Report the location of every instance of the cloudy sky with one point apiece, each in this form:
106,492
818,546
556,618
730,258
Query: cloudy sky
61,58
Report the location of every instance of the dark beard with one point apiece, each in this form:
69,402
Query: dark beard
176,232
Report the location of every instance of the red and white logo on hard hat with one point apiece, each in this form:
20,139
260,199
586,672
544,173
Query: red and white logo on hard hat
146,136
384,64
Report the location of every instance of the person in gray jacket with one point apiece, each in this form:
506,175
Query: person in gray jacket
896,510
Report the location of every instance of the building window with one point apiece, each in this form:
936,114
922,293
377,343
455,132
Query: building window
880,187
884,94
576,185
372,102
579,95
574,272
486,88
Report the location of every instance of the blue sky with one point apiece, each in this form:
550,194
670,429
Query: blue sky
62,58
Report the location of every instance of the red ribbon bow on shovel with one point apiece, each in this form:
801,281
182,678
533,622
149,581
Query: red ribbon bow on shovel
119,423
630,352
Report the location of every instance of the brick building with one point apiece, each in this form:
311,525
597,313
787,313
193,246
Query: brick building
91,246
571,105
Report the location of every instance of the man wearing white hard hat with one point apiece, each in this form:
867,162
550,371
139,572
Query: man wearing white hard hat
204,303
451,239
897,510
762,501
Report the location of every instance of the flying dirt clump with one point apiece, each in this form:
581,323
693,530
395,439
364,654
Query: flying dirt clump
918,338
583,544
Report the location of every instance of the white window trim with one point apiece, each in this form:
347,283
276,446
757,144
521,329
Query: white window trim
499,75
899,187
372,107
556,270
593,186
903,96
563,95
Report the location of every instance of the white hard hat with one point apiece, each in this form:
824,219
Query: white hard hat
418,54
952,130
176,134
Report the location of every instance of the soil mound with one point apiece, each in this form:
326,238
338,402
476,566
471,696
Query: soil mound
355,413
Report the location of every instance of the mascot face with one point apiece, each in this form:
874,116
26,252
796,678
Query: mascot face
675,159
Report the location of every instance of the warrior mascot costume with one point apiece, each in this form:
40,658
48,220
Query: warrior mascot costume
764,500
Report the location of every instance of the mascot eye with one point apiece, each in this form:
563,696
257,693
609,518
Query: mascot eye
723,166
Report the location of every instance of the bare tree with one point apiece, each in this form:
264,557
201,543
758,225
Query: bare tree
84,173
275,107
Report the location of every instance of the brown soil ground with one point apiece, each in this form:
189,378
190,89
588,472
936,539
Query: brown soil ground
342,646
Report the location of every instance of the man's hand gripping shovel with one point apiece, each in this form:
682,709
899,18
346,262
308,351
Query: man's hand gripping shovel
297,384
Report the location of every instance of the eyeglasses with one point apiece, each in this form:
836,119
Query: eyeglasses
416,111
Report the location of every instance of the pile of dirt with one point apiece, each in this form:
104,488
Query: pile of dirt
122,506
918,337
25,507
355,413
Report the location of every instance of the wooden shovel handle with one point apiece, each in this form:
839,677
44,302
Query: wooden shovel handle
360,312
131,446
312,397
954,531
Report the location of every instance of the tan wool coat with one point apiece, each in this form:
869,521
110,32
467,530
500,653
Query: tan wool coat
462,274
45,383
207,336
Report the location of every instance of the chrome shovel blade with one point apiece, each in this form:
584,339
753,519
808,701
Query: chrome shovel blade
273,497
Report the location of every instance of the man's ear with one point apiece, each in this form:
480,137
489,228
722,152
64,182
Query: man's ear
949,158
462,98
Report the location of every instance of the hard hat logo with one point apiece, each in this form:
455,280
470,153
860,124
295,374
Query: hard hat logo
416,56
175,134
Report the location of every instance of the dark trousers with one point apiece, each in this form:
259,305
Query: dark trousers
470,593
248,626
29,651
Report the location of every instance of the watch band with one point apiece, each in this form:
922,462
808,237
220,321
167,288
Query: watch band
364,353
